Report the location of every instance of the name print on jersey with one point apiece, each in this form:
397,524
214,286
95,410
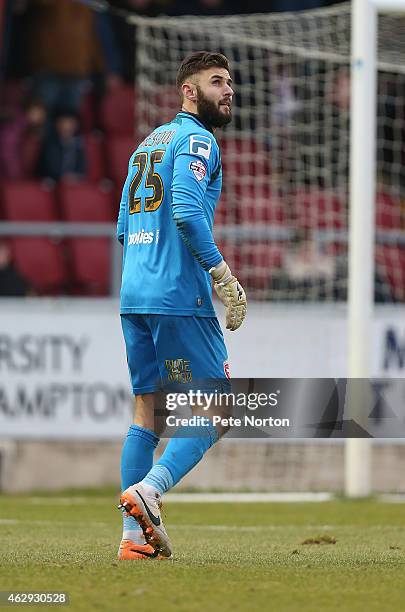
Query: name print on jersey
158,138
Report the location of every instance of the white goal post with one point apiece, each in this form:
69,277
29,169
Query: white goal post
362,218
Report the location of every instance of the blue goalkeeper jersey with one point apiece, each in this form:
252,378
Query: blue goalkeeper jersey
166,218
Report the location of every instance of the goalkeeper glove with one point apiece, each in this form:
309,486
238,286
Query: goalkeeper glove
231,294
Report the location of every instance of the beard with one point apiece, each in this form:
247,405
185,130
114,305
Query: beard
209,111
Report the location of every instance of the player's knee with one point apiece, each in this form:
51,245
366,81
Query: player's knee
150,412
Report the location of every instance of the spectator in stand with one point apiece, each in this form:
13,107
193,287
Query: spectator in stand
112,53
306,262
63,152
64,51
20,141
12,284
125,33
307,271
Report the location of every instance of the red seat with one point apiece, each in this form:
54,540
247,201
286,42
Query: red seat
336,249
388,211
231,253
118,110
258,260
119,150
245,157
390,261
41,261
262,254
85,202
30,150
94,148
226,211
163,104
90,258
28,201
91,263
317,209
257,204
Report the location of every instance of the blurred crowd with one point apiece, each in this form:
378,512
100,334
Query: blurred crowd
54,52
67,112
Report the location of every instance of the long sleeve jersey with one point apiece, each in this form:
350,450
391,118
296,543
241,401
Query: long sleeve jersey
166,218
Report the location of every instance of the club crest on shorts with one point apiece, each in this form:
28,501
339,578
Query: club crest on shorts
179,370
227,370
198,169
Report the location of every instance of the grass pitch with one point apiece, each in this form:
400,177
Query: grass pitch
227,556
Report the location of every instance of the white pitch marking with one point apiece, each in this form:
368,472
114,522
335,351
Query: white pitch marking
77,523
66,501
247,497
246,528
196,498
394,498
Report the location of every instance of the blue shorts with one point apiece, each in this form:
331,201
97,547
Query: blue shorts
175,353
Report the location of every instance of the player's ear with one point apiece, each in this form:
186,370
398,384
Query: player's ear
189,92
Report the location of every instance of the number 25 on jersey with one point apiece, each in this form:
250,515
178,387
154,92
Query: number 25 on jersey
142,161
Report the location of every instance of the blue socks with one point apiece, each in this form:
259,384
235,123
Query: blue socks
183,452
136,461
137,455
160,478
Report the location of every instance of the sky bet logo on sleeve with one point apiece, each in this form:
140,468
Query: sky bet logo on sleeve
200,145
198,169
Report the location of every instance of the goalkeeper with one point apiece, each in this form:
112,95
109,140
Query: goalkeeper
169,262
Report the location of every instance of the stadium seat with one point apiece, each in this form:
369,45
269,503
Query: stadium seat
41,261
262,254
28,201
336,249
257,204
119,150
94,149
258,260
89,257
244,157
319,209
226,212
117,112
388,211
30,150
90,260
85,202
162,113
390,262
231,253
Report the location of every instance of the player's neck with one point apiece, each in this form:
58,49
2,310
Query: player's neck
193,111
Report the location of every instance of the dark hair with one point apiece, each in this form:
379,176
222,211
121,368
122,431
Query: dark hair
201,60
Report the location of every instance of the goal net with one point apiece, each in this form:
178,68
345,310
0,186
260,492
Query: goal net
282,220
